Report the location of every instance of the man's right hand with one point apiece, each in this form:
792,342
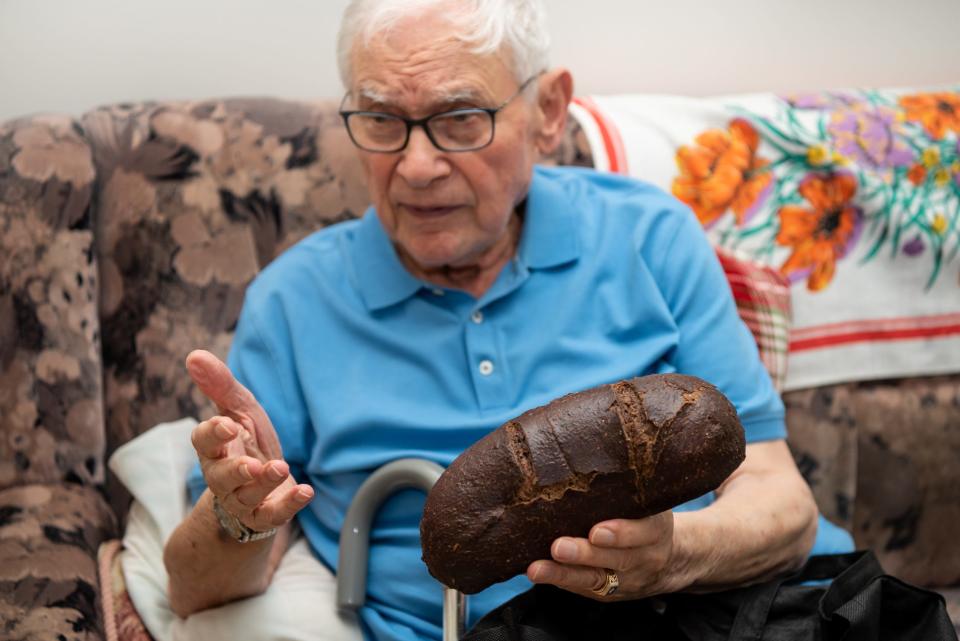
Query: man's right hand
239,451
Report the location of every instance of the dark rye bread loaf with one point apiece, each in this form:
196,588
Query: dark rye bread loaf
626,450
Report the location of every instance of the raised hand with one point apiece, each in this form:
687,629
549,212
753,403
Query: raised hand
240,453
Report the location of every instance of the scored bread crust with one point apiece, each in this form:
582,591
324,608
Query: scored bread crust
626,450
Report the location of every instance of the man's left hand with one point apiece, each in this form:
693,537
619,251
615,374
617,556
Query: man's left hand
640,552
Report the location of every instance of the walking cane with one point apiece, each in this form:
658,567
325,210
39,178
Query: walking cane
355,538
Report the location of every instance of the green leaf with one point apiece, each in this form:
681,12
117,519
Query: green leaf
877,244
773,132
753,231
953,227
937,263
821,128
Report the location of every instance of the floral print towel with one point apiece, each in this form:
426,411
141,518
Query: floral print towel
854,196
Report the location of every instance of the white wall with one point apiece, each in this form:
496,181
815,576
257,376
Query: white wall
70,55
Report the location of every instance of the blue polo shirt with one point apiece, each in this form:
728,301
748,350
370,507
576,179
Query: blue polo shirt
359,363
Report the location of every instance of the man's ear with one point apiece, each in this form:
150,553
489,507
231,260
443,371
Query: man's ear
555,93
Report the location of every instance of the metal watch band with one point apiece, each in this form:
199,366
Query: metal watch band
235,528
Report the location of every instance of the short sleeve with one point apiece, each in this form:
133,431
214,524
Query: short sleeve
713,342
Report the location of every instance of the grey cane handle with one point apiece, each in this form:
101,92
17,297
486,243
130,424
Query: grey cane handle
355,534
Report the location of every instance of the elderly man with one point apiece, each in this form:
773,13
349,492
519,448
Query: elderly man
476,287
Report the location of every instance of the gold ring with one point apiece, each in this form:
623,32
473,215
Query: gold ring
610,585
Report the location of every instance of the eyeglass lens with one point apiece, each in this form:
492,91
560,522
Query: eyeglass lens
457,130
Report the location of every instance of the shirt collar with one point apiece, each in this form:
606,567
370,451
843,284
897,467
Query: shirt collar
381,277
549,238
550,230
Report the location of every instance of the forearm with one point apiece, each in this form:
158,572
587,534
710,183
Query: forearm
763,523
207,568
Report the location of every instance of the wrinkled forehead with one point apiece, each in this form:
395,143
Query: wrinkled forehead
423,65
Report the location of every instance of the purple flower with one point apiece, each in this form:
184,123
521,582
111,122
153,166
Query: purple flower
822,100
914,247
868,134
956,175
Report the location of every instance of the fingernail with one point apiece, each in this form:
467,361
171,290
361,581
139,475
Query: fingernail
197,373
541,573
603,536
565,550
245,472
275,474
304,495
223,431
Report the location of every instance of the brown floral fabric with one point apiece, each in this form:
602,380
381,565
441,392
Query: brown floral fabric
908,494
51,413
882,457
822,434
194,199
49,536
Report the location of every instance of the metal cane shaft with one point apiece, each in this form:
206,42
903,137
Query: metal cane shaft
454,614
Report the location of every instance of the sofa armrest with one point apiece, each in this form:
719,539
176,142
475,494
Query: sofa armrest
49,535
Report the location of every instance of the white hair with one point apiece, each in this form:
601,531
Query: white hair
518,28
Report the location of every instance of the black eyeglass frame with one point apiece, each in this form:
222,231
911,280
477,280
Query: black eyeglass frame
422,122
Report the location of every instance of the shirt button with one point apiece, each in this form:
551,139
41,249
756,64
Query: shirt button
486,367
437,291
477,317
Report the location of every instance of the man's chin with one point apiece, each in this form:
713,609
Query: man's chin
428,259
432,262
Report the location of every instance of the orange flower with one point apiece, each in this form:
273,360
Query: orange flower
917,174
822,235
722,172
937,112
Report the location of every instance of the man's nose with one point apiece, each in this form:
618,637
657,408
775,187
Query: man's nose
421,163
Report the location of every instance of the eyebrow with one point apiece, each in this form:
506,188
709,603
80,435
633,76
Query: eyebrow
439,98
370,93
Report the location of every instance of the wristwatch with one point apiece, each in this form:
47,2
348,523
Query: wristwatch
235,528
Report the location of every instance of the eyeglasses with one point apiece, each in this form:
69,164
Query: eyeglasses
455,130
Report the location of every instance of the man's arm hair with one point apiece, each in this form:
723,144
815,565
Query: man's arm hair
762,524
208,568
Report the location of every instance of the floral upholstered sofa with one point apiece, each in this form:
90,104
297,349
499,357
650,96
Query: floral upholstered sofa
127,237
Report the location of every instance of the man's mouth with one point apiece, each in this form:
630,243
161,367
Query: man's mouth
429,211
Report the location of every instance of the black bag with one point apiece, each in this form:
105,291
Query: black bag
861,603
